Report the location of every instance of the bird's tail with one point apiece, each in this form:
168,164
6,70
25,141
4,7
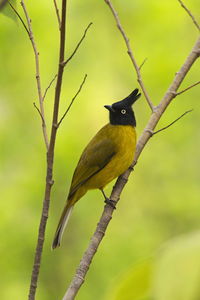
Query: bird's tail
62,224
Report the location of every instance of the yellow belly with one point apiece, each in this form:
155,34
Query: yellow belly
125,139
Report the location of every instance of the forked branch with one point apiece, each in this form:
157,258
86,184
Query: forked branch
20,18
169,125
29,31
48,87
78,45
72,101
37,65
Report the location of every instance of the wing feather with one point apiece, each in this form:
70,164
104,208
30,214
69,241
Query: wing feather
94,158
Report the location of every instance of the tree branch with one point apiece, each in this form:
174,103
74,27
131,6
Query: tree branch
57,13
190,14
188,88
78,45
106,217
48,87
38,110
142,64
130,53
37,65
20,18
155,132
72,101
50,160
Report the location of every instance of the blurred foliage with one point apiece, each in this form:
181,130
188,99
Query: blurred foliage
177,273
173,273
134,285
161,200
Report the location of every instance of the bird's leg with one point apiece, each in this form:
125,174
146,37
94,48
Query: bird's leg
108,200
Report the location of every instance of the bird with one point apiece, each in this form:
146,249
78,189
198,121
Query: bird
108,155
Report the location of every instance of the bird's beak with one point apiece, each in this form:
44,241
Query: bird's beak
109,107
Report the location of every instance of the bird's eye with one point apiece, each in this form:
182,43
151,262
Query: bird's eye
123,111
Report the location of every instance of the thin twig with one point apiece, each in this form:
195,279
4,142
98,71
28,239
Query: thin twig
50,162
20,18
188,88
48,87
37,65
190,14
166,127
142,64
57,13
78,45
72,101
130,53
38,111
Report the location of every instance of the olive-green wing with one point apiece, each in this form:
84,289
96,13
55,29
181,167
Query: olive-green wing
94,158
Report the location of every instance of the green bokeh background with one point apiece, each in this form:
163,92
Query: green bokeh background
161,200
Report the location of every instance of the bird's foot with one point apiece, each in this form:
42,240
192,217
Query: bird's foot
110,202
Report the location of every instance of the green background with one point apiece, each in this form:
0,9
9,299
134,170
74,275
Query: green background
161,200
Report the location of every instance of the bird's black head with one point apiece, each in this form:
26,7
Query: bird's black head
121,112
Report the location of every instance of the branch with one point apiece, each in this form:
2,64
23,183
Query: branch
130,53
37,65
48,87
190,14
189,87
38,111
50,160
72,101
20,18
57,14
78,45
99,233
155,132
142,64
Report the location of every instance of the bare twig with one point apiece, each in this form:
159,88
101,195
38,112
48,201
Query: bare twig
50,160
48,87
142,64
78,45
72,101
37,65
20,18
188,88
38,111
57,13
86,260
155,132
130,53
190,14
